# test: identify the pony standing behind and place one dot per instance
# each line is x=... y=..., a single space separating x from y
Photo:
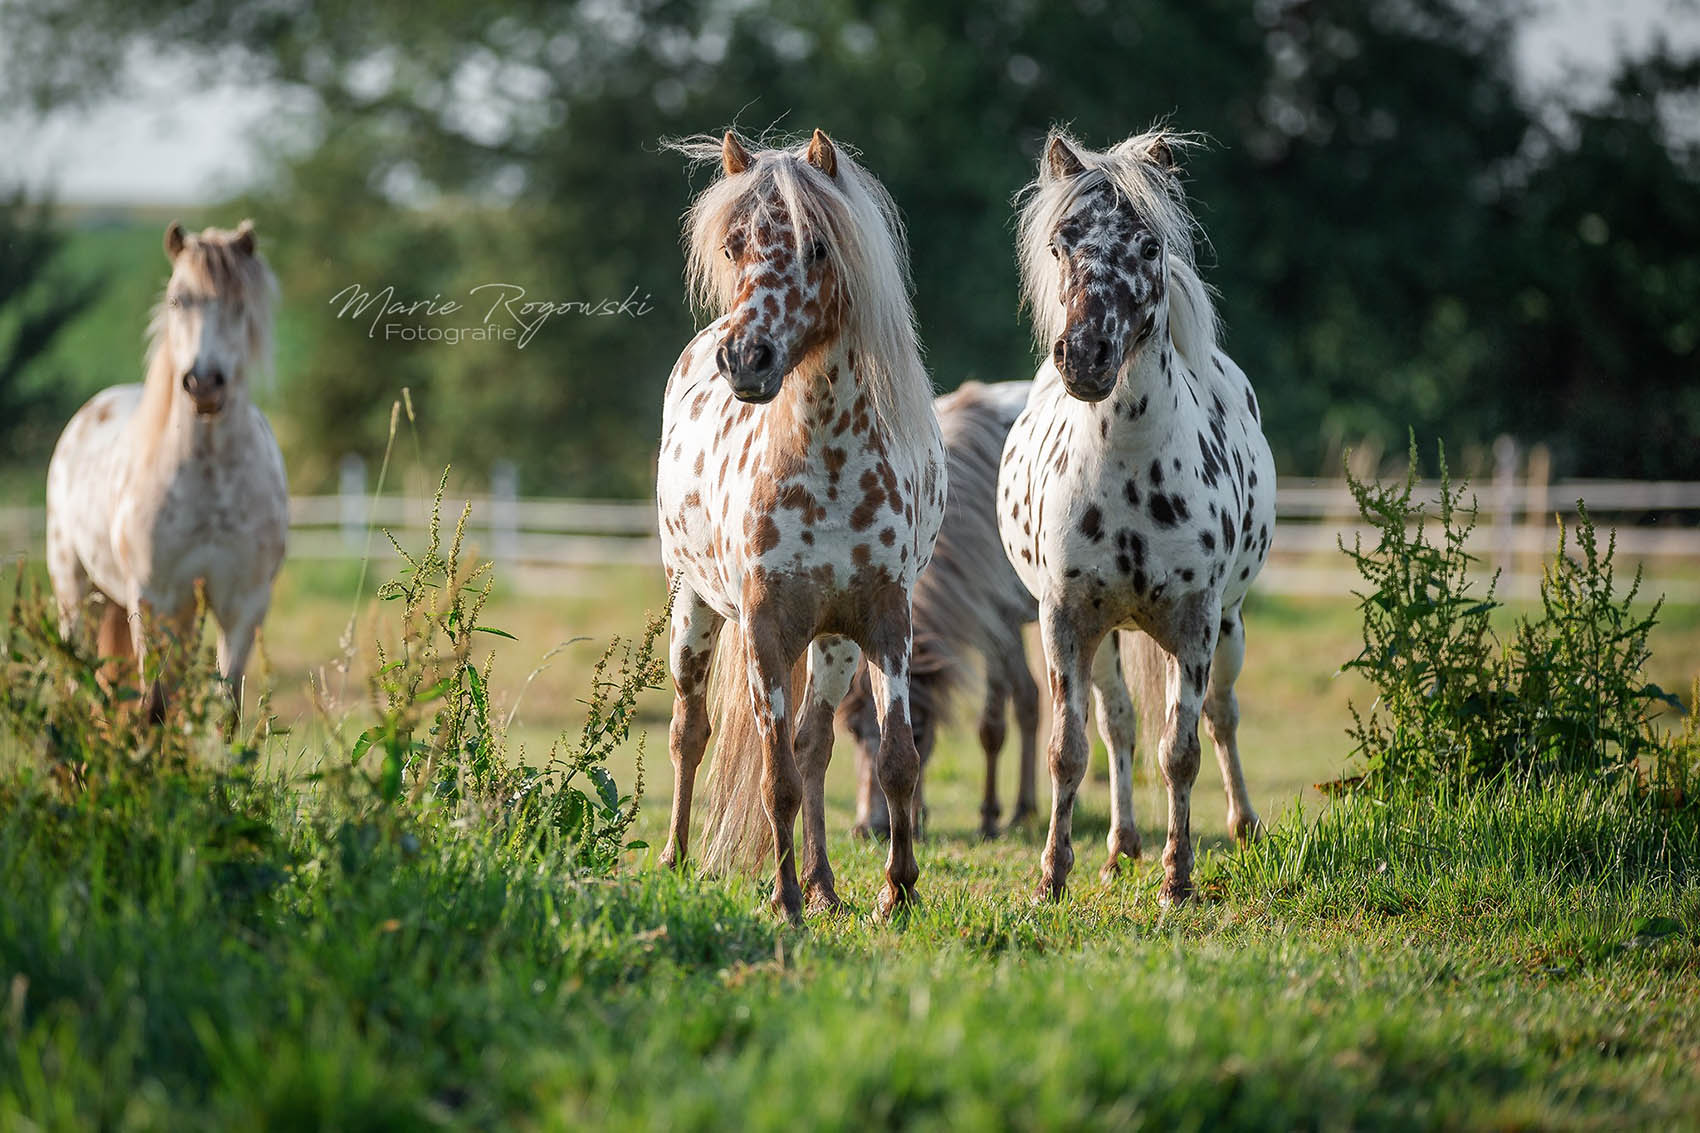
x=967 y=601
x=1137 y=489
x=801 y=484
x=158 y=487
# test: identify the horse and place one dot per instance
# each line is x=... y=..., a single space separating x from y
x=160 y=490
x=800 y=488
x=967 y=601
x=1136 y=491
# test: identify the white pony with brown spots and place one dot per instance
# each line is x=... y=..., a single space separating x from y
x=156 y=489
x=1137 y=490
x=800 y=487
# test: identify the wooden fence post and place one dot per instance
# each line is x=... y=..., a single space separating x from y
x=1537 y=508
x=504 y=511
x=1504 y=504
x=351 y=500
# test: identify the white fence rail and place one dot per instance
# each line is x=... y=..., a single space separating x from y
x=1657 y=525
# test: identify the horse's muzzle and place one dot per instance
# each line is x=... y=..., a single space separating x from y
x=1087 y=368
x=206 y=388
x=751 y=368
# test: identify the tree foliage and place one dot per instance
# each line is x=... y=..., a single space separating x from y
x=38 y=299
x=1401 y=234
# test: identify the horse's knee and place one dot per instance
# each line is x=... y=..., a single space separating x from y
x=1180 y=759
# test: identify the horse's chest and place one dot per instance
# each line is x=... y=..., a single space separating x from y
x=202 y=522
x=1143 y=527
x=735 y=503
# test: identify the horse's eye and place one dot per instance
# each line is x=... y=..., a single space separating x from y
x=1148 y=248
x=1054 y=252
x=726 y=250
x=817 y=251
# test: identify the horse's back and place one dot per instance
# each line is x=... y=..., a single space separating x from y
x=83 y=480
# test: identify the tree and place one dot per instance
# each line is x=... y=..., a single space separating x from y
x=39 y=297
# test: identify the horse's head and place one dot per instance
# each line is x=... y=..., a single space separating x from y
x=214 y=316
x=1111 y=264
x=787 y=294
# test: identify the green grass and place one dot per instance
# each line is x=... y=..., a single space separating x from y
x=163 y=977
x=196 y=950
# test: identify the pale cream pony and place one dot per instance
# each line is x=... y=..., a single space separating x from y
x=157 y=488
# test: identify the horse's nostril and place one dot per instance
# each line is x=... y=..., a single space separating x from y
x=761 y=356
x=1059 y=353
x=723 y=359
x=1101 y=357
x=217 y=379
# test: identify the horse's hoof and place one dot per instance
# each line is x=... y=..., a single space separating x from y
x=823 y=900
x=1110 y=869
x=787 y=905
x=1172 y=893
x=670 y=856
x=894 y=900
x=989 y=829
x=1050 y=891
x=1022 y=816
x=867 y=832
x=1248 y=830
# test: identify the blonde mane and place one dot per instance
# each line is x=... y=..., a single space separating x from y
x=1153 y=190
x=213 y=265
x=856 y=219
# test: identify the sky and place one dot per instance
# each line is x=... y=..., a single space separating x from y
x=153 y=146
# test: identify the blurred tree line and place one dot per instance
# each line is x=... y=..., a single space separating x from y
x=1402 y=237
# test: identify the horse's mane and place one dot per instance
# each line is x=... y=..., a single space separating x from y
x=1154 y=191
x=213 y=265
x=863 y=232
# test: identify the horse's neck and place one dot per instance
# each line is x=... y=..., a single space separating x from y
x=165 y=430
x=815 y=397
x=1152 y=398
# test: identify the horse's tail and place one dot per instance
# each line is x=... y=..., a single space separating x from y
x=735 y=828
x=1145 y=665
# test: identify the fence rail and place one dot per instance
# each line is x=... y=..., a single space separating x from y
x=1657 y=524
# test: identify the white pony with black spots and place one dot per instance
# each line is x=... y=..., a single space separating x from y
x=1136 y=495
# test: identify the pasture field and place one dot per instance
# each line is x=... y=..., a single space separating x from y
x=185 y=950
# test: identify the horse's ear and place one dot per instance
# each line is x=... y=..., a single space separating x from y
x=244 y=241
x=1163 y=154
x=822 y=154
x=734 y=158
x=1061 y=162
x=174 y=241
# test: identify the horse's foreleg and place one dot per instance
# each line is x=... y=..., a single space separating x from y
x=690 y=650
x=889 y=643
x=237 y=627
x=832 y=664
x=1222 y=717
x=1191 y=642
x=150 y=677
x=1068 y=656
x=1119 y=727
x=993 y=731
x=769 y=658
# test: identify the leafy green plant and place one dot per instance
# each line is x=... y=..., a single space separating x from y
x=1457 y=703
x=437 y=743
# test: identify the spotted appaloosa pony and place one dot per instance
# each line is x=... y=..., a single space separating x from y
x=801 y=486
x=158 y=487
x=967 y=601
x=1137 y=489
